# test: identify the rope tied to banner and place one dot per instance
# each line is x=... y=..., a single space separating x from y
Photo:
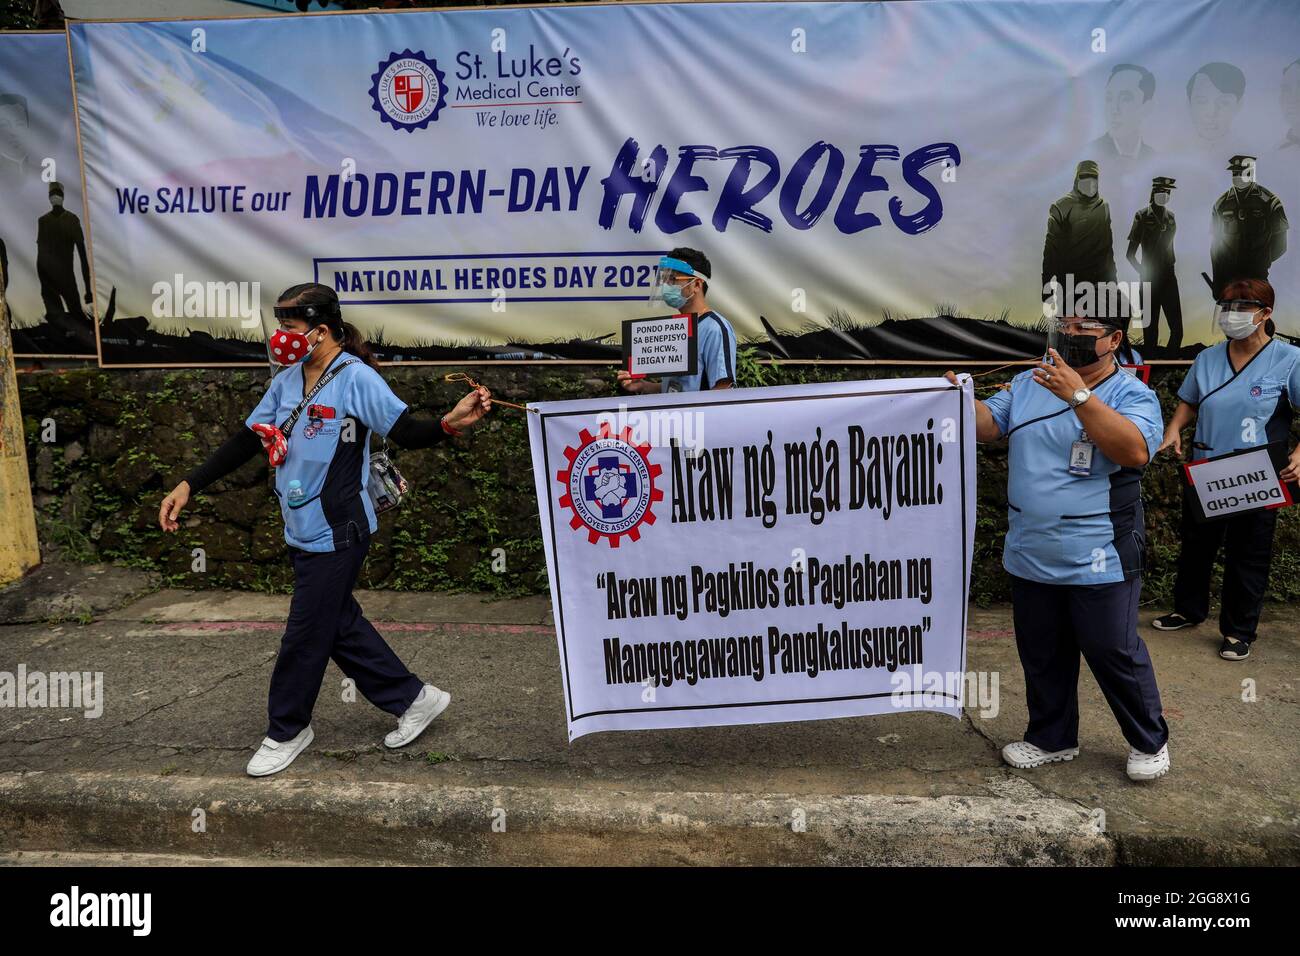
x=1007 y=385
x=463 y=377
x=991 y=371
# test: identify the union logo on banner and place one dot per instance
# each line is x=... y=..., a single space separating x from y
x=408 y=90
x=609 y=485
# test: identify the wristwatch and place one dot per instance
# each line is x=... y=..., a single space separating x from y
x=1080 y=396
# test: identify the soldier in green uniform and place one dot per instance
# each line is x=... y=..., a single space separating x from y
x=1248 y=227
x=1153 y=234
x=1079 y=243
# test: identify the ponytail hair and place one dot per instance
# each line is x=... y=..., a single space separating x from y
x=327 y=300
x=354 y=343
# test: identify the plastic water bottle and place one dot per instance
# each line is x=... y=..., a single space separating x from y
x=297 y=497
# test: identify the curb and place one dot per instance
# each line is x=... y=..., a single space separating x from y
x=409 y=823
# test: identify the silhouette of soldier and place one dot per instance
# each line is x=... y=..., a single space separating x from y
x=58 y=234
x=1079 y=240
x=1248 y=227
x=1153 y=233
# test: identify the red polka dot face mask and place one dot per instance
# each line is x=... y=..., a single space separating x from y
x=286 y=347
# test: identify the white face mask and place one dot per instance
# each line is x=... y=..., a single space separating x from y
x=1241 y=182
x=1162 y=198
x=1237 y=325
x=1088 y=187
x=56 y=201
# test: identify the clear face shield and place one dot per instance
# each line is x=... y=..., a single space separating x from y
x=1075 y=340
x=1235 y=318
x=266 y=339
x=673 y=284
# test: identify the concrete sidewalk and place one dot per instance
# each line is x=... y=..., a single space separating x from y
x=186 y=676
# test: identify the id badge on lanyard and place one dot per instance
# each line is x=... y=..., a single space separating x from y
x=1081 y=455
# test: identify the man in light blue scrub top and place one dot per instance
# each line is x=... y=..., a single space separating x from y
x=681 y=283
x=1080 y=431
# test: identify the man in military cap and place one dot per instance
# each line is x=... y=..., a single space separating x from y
x=1153 y=234
x=58 y=236
x=1248 y=227
x=1080 y=246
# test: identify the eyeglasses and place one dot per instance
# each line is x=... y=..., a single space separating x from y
x=1071 y=327
x=1241 y=305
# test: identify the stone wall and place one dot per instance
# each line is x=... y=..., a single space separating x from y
x=105 y=446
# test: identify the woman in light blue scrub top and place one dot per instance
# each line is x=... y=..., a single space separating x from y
x=1241 y=393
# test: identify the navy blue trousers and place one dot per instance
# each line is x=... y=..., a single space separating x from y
x=1247 y=542
x=1055 y=623
x=325 y=621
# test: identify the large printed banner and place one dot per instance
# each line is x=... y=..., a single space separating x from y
x=42 y=245
x=894 y=180
x=710 y=565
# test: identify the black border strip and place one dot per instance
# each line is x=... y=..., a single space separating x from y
x=761 y=703
x=965 y=604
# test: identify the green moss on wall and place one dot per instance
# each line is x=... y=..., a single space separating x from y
x=122 y=439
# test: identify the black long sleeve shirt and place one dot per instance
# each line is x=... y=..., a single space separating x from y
x=407 y=432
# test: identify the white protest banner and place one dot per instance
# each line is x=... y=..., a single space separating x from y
x=660 y=345
x=758 y=555
x=1242 y=481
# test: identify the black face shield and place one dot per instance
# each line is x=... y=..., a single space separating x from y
x=312 y=313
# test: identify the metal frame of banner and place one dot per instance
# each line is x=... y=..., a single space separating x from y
x=272 y=15
x=85 y=214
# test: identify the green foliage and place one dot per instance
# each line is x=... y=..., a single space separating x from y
x=472 y=501
x=751 y=372
x=18 y=15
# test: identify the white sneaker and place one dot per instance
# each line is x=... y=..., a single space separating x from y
x=418 y=716
x=1148 y=766
x=1025 y=756
x=274 y=755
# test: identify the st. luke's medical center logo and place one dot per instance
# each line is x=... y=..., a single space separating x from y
x=609 y=485
x=408 y=90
